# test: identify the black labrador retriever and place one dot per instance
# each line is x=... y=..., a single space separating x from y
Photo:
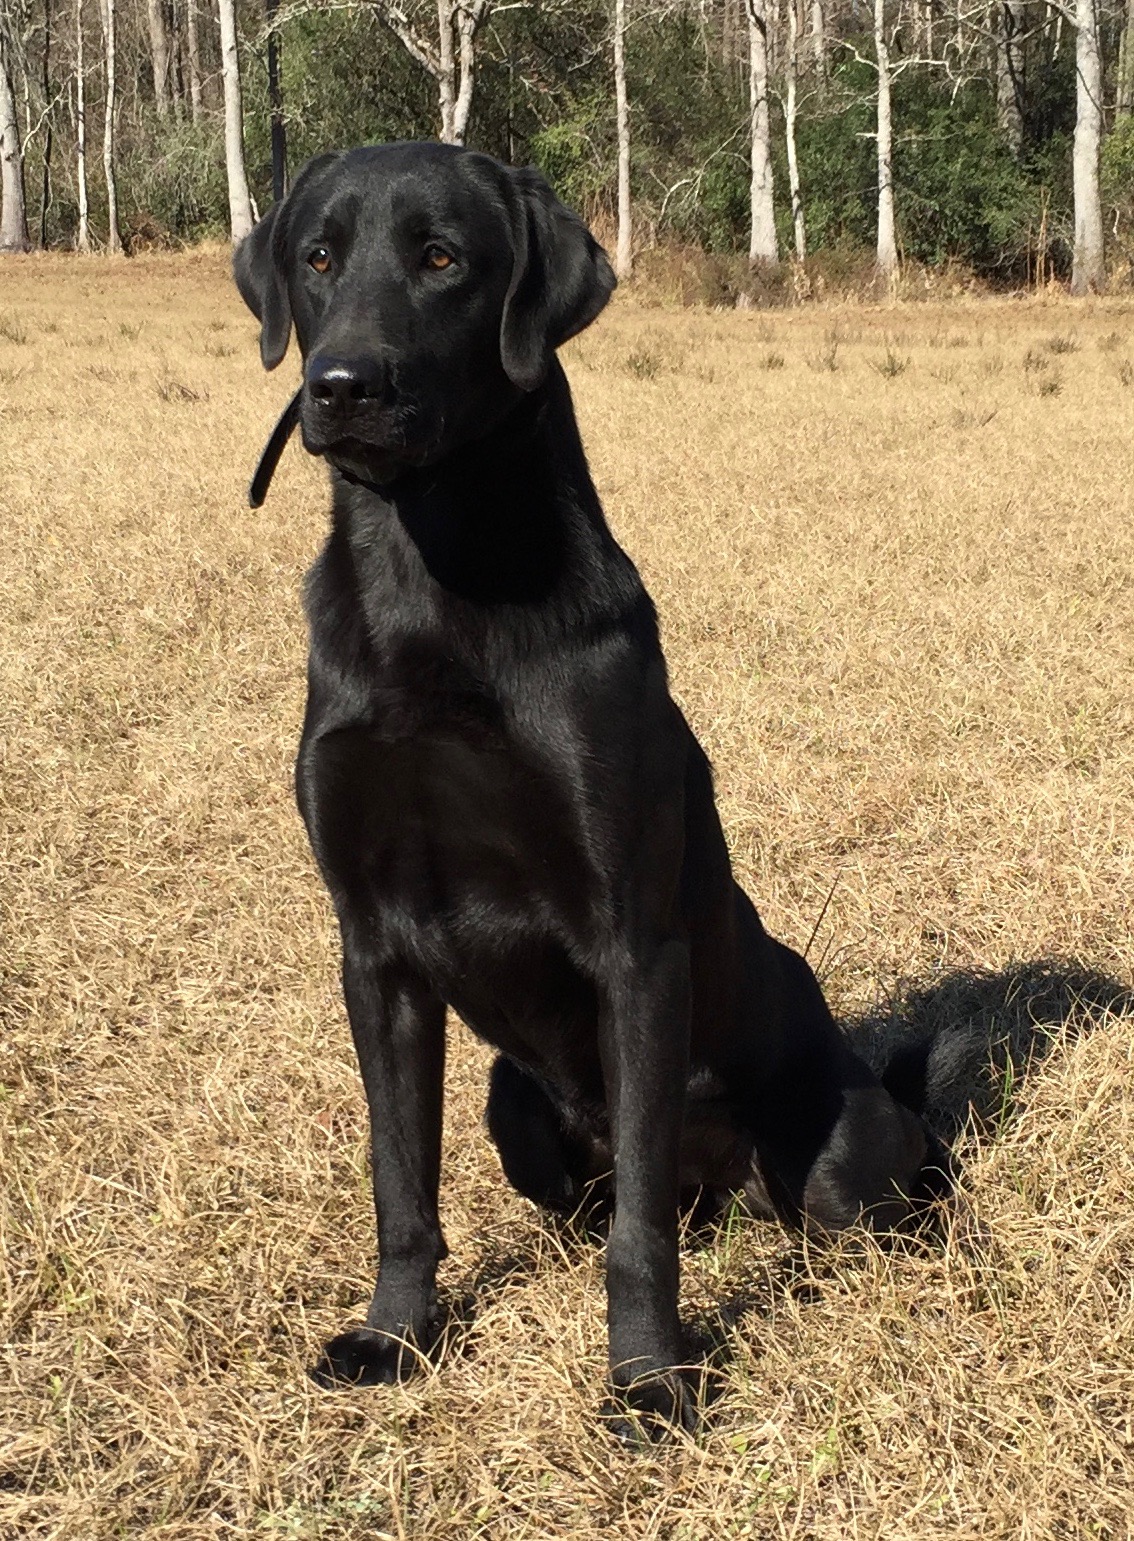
x=511 y=814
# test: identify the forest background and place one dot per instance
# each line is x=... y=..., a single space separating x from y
x=992 y=140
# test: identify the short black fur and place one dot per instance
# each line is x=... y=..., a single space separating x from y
x=510 y=812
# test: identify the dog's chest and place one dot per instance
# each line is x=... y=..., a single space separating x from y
x=440 y=813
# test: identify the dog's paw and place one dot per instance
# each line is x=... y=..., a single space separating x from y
x=653 y=1407
x=363 y=1357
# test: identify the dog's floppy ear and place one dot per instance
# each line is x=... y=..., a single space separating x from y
x=258 y=266
x=258 y=269
x=561 y=279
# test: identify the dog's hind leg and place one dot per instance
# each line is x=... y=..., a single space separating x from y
x=542 y=1158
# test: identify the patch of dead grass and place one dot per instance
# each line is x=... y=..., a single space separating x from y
x=897 y=611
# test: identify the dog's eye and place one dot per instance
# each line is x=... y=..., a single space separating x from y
x=320 y=260
x=437 y=258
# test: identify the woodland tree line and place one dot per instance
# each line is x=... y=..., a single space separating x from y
x=996 y=134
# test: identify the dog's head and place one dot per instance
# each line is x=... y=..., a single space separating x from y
x=429 y=287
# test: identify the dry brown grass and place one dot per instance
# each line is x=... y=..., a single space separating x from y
x=894 y=569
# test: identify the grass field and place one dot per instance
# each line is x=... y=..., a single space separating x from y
x=894 y=556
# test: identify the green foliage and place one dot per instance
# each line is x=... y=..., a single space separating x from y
x=1117 y=177
x=960 y=192
x=573 y=154
x=174 y=184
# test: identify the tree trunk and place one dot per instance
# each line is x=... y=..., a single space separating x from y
x=624 y=250
x=887 y=238
x=447 y=72
x=1008 y=33
x=113 y=236
x=194 y=51
x=159 y=55
x=762 y=246
x=239 y=203
x=818 y=39
x=275 y=106
x=83 y=241
x=49 y=127
x=1087 y=271
x=452 y=63
x=790 y=113
x=469 y=17
x=1124 y=85
x=13 y=210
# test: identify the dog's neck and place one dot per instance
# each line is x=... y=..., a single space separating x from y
x=510 y=519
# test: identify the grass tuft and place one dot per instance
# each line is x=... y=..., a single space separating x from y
x=643 y=362
x=177 y=390
x=891 y=365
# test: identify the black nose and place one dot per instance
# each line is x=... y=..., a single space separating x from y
x=339 y=382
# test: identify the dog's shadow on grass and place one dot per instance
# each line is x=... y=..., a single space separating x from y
x=963 y=1045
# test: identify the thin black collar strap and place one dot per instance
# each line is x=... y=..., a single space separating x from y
x=270 y=459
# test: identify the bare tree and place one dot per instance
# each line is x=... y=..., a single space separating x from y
x=83 y=239
x=239 y=201
x=159 y=54
x=1088 y=272
x=624 y=255
x=450 y=59
x=762 y=246
x=13 y=209
x=113 y=236
x=193 y=50
x=887 y=254
x=790 y=114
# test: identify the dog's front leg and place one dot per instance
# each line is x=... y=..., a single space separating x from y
x=645 y=1047
x=399 y=1033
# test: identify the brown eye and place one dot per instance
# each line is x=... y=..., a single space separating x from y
x=437 y=259
x=320 y=260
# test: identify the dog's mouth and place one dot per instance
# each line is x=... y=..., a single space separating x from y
x=376 y=461
x=368 y=443
x=367 y=461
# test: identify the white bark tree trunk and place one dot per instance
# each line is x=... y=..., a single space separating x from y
x=239 y=203
x=818 y=38
x=624 y=250
x=446 y=72
x=1088 y=272
x=113 y=236
x=762 y=245
x=159 y=55
x=193 y=48
x=13 y=209
x=469 y=19
x=887 y=236
x=799 y=229
x=451 y=63
x=83 y=239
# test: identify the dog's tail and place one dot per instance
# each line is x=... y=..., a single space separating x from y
x=957 y=1049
